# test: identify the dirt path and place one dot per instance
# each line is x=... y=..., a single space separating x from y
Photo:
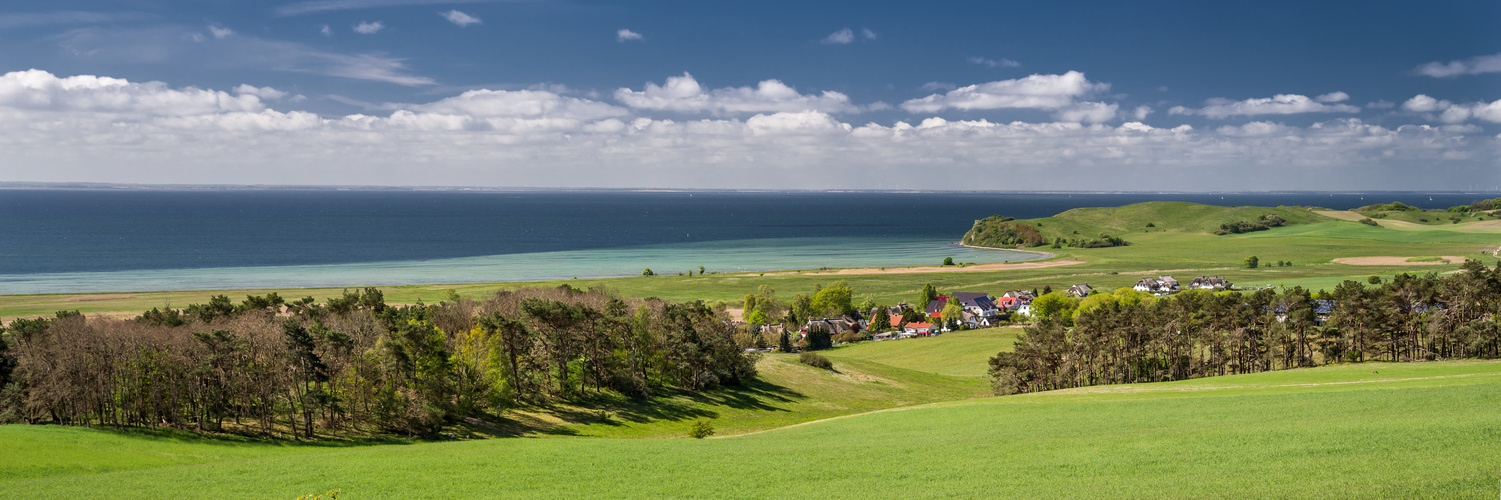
x=935 y=269
x=1395 y=261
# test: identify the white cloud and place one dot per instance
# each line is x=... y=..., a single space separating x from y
x=1471 y=66
x=112 y=130
x=1141 y=112
x=1280 y=104
x=368 y=27
x=459 y=18
x=220 y=32
x=1423 y=104
x=994 y=63
x=867 y=33
x=1333 y=97
x=1046 y=92
x=683 y=93
x=261 y=92
x=840 y=37
x=625 y=35
x=937 y=86
x=326 y=31
x=1449 y=112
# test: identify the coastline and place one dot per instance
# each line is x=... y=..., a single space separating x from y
x=1047 y=255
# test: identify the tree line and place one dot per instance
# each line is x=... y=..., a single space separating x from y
x=273 y=366
x=1129 y=337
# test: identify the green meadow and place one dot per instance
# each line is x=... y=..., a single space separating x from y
x=1418 y=430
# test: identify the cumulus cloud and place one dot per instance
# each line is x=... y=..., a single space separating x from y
x=459 y=18
x=938 y=86
x=1471 y=66
x=841 y=37
x=625 y=35
x=867 y=33
x=1333 y=97
x=994 y=63
x=368 y=27
x=1280 y=104
x=261 y=92
x=1449 y=112
x=326 y=31
x=220 y=32
x=1141 y=112
x=684 y=94
x=112 y=130
x=1059 y=93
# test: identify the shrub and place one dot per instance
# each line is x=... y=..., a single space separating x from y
x=816 y=361
x=701 y=429
x=1367 y=221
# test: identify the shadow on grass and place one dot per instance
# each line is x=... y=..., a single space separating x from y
x=615 y=410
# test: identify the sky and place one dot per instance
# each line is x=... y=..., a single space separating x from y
x=1087 y=96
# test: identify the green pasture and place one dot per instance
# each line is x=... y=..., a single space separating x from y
x=1374 y=430
x=959 y=354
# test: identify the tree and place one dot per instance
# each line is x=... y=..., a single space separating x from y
x=819 y=338
x=882 y=320
x=833 y=301
x=700 y=270
x=928 y=294
x=948 y=261
x=785 y=344
x=953 y=312
x=1054 y=305
x=1251 y=262
x=648 y=272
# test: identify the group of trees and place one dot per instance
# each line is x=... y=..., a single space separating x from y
x=998 y=231
x=762 y=307
x=273 y=366
x=1262 y=224
x=1128 y=337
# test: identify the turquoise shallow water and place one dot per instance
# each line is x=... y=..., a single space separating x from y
x=715 y=256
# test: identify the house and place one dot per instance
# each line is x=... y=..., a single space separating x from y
x=920 y=329
x=1020 y=294
x=1162 y=285
x=1209 y=283
x=1079 y=291
x=835 y=326
x=934 y=308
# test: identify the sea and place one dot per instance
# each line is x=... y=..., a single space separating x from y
x=144 y=239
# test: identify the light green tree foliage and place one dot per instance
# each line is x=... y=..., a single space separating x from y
x=802 y=308
x=1054 y=305
x=1129 y=296
x=953 y=311
x=1095 y=301
x=750 y=306
x=927 y=295
x=757 y=318
x=834 y=300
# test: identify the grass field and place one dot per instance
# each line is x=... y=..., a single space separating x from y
x=958 y=354
x=1420 y=430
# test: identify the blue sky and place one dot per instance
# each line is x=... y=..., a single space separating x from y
x=979 y=95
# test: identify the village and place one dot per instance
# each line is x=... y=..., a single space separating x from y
x=969 y=311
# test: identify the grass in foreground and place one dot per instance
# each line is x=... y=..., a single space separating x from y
x=1407 y=431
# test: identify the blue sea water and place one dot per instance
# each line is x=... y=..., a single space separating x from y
x=139 y=239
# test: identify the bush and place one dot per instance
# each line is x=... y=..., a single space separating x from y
x=701 y=429
x=815 y=361
x=1367 y=221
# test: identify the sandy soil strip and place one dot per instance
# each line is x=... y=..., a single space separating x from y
x=1395 y=261
x=1003 y=266
x=1487 y=226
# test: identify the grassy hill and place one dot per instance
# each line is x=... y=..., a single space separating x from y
x=1131 y=220
x=958 y=354
x=1367 y=430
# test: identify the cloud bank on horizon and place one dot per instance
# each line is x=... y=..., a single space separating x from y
x=325 y=107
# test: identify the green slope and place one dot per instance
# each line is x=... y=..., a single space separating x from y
x=960 y=354
x=1421 y=430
